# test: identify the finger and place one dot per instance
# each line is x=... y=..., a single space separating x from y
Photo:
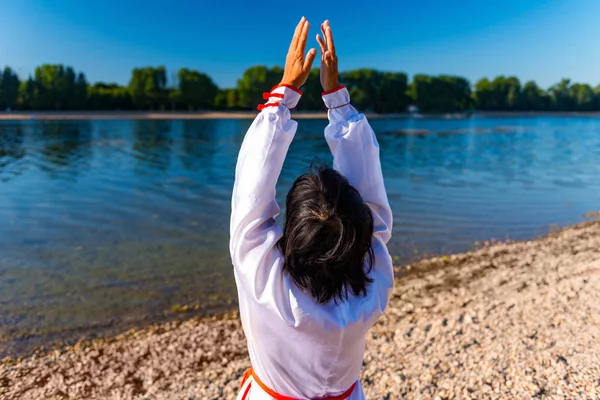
x=329 y=36
x=303 y=37
x=297 y=33
x=310 y=58
x=328 y=58
x=321 y=44
x=323 y=29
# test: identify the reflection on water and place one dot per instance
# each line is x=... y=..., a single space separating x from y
x=152 y=145
x=65 y=148
x=12 y=150
x=106 y=223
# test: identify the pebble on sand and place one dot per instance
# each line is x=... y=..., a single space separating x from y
x=519 y=320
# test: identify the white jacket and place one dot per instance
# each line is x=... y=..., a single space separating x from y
x=298 y=347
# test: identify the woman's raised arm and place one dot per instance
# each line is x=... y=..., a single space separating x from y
x=356 y=156
x=352 y=141
x=252 y=227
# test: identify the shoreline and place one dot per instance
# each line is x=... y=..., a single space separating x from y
x=203 y=115
x=516 y=320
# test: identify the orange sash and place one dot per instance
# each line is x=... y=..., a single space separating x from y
x=277 y=396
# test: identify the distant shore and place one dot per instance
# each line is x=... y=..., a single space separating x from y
x=127 y=115
x=519 y=320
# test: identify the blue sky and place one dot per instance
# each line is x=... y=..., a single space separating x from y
x=544 y=40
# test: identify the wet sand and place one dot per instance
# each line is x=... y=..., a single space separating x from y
x=518 y=320
x=128 y=115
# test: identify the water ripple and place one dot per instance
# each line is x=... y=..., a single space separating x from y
x=117 y=219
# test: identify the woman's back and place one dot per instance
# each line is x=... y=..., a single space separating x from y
x=303 y=348
x=309 y=292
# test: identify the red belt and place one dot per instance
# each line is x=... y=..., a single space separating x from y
x=277 y=396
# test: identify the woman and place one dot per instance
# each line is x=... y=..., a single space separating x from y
x=309 y=292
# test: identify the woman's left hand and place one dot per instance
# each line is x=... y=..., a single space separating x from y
x=297 y=66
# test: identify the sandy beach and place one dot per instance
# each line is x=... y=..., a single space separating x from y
x=127 y=115
x=510 y=321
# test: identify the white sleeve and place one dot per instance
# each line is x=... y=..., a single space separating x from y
x=254 y=232
x=356 y=156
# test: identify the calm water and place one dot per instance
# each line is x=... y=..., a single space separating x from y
x=106 y=223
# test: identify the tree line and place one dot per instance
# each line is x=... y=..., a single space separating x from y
x=59 y=87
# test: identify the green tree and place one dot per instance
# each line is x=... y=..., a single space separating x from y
x=312 y=89
x=584 y=98
x=363 y=86
x=560 y=96
x=45 y=96
x=57 y=87
x=483 y=95
x=9 y=89
x=148 y=88
x=79 y=98
x=534 y=98
x=392 y=97
x=513 y=94
x=232 y=98
x=175 y=99
x=501 y=94
x=226 y=99
x=440 y=94
x=372 y=90
x=458 y=90
x=198 y=91
x=27 y=94
x=102 y=96
x=254 y=82
x=221 y=99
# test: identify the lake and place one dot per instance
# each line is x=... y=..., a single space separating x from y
x=111 y=224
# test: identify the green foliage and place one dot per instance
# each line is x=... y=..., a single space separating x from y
x=501 y=94
x=26 y=94
x=583 y=97
x=560 y=96
x=506 y=94
x=534 y=98
x=197 y=90
x=59 y=87
x=56 y=87
x=392 y=93
x=232 y=98
x=226 y=99
x=176 y=99
x=103 y=96
x=9 y=89
x=311 y=97
x=377 y=91
x=148 y=88
x=254 y=82
x=440 y=94
x=363 y=86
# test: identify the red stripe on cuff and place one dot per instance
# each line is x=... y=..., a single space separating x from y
x=261 y=107
x=289 y=87
x=333 y=90
x=268 y=95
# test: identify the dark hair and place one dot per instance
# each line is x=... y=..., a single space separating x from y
x=326 y=241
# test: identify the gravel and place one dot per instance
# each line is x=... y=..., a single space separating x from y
x=510 y=321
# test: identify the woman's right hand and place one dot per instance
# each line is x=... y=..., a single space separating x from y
x=329 y=60
x=297 y=67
